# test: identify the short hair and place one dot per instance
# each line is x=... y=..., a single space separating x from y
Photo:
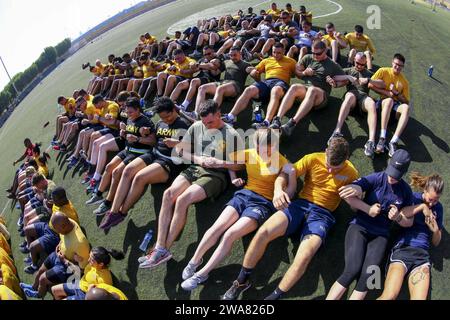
x=60 y=99
x=307 y=23
x=82 y=92
x=133 y=103
x=250 y=9
x=208 y=107
x=288 y=5
x=329 y=25
x=302 y=8
x=235 y=48
x=359 y=28
x=318 y=44
x=37 y=178
x=274 y=3
x=123 y=96
x=164 y=104
x=177 y=52
x=126 y=56
x=111 y=56
x=59 y=193
x=98 y=98
x=177 y=32
x=278 y=45
x=338 y=151
x=400 y=57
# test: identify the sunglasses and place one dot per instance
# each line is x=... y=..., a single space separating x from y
x=318 y=53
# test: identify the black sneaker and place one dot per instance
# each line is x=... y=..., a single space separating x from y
x=235 y=291
x=288 y=128
x=276 y=123
x=381 y=146
x=369 y=149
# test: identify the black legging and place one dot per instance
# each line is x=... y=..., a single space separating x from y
x=362 y=250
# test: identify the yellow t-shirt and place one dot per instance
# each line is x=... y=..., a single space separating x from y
x=42 y=167
x=149 y=69
x=224 y=34
x=186 y=64
x=399 y=81
x=328 y=39
x=321 y=187
x=70 y=105
x=274 y=13
x=360 y=44
x=113 y=109
x=7 y=294
x=95 y=276
x=75 y=243
x=90 y=109
x=10 y=280
x=6 y=259
x=4 y=244
x=150 y=40
x=98 y=71
x=112 y=289
x=283 y=69
x=68 y=210
x=261 y=175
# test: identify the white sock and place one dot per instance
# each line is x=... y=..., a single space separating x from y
x=383 y=133
x=97 y=176
x=395 y=139
x=185 y=104
x=159 y=248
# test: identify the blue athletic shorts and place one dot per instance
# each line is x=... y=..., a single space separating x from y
x=307 y=218
x=250 y=204
x=56 y=270
x=48 y=239
x=266 y=86
x=73 y=293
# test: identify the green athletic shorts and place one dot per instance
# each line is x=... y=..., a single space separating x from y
x=214 y=182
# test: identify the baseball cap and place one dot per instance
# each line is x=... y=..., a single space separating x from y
x=268 y=18
x=399 y=164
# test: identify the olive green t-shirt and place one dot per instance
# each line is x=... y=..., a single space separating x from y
x=354 y=73
x=322 y=69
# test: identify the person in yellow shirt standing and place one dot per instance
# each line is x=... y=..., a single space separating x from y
x=249 y=208
x=278 y=70
x=181 y=68
x=359 y=42
x=96 y=272
x=71 y=255
x=394 y=98
x=310 y=217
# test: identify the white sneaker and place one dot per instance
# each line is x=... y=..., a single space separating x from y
x=190 y=270
x=193 y=282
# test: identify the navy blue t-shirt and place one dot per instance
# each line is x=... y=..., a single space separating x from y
x=378 y=190
x=419 y=235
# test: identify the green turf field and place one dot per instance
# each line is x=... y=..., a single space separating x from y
x=414 y=30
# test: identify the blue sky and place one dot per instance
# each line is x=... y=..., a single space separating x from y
x=27 y=27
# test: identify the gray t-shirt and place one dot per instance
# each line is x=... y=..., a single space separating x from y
x=236 y=72
x=354 y=73
x=216 y=143
x=322 y=69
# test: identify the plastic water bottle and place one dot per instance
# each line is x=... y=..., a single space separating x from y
x=146 y=241
x=430 y=71
x=257 y=112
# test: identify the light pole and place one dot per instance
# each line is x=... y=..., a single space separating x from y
x=12 y=83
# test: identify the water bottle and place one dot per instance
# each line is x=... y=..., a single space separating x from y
x=430 y=71
x=146 y=241
x=257 y=112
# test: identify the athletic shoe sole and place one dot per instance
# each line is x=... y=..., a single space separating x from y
x=141 y=266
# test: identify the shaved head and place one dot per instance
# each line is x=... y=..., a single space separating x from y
x=99 y=294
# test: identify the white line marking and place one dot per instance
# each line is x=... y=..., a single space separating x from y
x=330 y=14
x=3 y=211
